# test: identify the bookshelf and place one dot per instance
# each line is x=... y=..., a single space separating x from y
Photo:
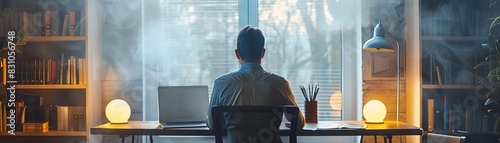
x=450 y=46
x=67 y=86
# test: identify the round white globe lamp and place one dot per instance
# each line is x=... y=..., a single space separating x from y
x=374 y=111
x=118 y=111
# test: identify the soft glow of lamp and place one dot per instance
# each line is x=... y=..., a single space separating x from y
x=374 y=111
x=378 y=43
x=118 y=111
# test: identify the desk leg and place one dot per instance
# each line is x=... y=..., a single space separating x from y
x=151 y=138
x=375 y=137
x=123 y=138
x=133 y=138
x=361 y=141
x=388 y=137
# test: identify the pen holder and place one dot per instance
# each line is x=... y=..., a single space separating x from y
x=311 y=111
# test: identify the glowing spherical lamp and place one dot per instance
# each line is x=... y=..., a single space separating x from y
x=118 y=111
x=374 y=111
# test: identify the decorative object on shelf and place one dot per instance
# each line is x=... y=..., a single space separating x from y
x=378 y=43
x=374 y=111
x=118 y=111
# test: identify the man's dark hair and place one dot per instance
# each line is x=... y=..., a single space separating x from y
x=250 y=43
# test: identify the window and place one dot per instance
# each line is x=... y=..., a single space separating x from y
x=192 y=43
x=304 y=46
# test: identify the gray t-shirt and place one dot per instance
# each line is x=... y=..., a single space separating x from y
x=251 y=85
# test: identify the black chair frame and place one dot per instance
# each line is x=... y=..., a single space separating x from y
x=217 y=112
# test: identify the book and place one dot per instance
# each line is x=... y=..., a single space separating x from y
x=40 y=71
x=82 y=23
x=61 y=70
x=62 y=118
x=53 y=72
x=65 y=26
x=468 y=120
x=85 y=68
x=43 y=71
x=52 y=109
x=36 y=126
x=73 y=70
x=47 y=26
x=344 y=126
x=4 y=71
x=430 y=114
x=76 y=118
x=71 y=23
x=40 y=27
x=80 y=71
x=55 y=26
x=438 y=112
x=71 y=118
x=68 y=71
x=2 y=117
x=438 y=74
x=26 y=23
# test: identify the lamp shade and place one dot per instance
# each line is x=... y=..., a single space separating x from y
x=118 y=111
x=378 y=42
x=374 y=111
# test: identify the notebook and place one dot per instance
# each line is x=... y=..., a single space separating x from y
x=182 y=106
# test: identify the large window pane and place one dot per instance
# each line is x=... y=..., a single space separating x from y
x=198 y=40
x=303 y=45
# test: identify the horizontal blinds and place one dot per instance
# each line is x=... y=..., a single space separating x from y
x=197 y=40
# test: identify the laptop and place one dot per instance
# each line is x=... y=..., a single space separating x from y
x=182 y=106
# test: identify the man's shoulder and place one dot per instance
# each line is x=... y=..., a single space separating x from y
x=275 y=76
x=226 y=77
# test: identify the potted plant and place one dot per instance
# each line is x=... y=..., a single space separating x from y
x=493 y=59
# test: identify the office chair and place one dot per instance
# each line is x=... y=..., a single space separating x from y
x=217 y=117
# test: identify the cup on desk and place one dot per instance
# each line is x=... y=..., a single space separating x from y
x=311 y=111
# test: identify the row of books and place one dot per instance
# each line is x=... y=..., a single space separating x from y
x=51 y=117
x=441 y=70
x=66 y=70
x=445 y=113
x=46 y=23
x=452 y=23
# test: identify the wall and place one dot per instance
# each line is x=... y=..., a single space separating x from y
x=121 y=58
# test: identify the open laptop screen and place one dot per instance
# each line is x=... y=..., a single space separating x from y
x=182 y=103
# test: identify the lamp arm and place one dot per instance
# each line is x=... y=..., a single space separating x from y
x=398 y=80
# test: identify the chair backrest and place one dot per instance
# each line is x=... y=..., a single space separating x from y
x=217 y=113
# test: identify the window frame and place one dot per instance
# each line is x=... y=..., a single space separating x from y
x=248 y=12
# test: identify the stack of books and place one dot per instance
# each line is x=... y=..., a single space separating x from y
x=38 y=127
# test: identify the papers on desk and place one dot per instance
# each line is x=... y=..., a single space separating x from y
x=344 y=126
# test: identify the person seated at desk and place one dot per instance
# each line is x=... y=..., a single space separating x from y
x=251 y=85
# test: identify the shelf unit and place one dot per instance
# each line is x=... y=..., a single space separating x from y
x=84 y=45
x=451 y=34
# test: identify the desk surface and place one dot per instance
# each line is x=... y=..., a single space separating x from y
x=310 y=129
